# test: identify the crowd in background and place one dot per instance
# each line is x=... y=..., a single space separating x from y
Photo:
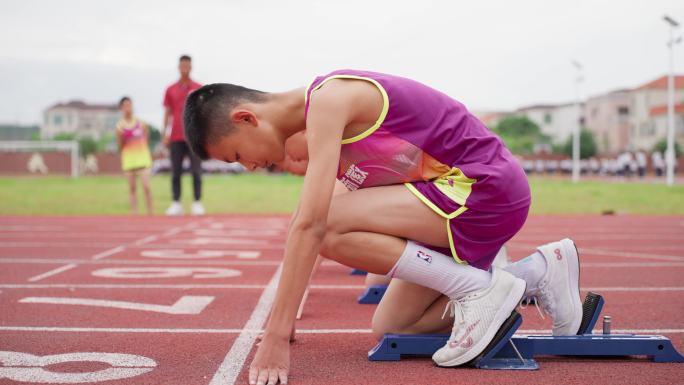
x=626 y=164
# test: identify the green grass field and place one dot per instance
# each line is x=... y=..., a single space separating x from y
x=262 y=193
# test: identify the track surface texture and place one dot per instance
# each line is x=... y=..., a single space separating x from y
x=136 y=300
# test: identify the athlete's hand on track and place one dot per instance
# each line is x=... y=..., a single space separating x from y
x=271 y=362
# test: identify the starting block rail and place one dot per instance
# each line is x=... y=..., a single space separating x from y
x=517 y=352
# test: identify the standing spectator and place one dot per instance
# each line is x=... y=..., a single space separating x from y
x=132 y=135
x=174 y=102
x=658 y=163
x=641 y=163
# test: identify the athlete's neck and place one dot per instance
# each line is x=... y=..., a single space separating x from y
x=285 y=110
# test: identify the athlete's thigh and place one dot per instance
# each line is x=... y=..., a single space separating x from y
x=391 y=210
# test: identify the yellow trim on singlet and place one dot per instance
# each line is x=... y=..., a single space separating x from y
x=458 y=192
x=383 y=113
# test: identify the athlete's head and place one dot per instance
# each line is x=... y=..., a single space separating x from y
x=184 y=65
x=223 y=121
x=126 y=106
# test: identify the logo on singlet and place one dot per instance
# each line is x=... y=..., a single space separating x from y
x=354 y=177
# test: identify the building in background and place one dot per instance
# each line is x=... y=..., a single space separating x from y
x=607 y=116
x=557 y=121
x=491 y=118
x=80 y=118
x=648 y=113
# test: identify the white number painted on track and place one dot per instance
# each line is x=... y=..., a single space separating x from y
x=24 y=367
x=201 y=254
x=187 y=304
x=167 y=272
x=262 y=225
x=220 y=241
x=238 y=233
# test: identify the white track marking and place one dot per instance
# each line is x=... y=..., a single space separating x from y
x=24 y=367
x=200 y=254
x=257 y=286
x=52 y=272
x=134 y=262
x=132 y=286
x=232 y=364
x=145 y=240
x=256 y=331
x=187 y=304
x=107 y=253
x=166 y=272
x=611 y=253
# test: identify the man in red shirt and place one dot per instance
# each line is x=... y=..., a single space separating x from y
x=174 y=102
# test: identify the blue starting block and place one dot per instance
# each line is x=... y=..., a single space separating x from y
x=507 y=351
x=358 y=272
x=372 y=295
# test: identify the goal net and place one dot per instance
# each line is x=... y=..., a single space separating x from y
x=39 y=157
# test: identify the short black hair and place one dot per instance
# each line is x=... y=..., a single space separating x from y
x=206 y=115
x=124 y=99
x=185 y=58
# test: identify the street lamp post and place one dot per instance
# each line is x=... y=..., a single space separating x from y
x=670 y=153
x=576 y=127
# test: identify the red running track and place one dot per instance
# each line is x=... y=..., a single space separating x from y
x=121 y=300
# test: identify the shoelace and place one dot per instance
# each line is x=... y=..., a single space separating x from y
x=451 y=307
x=546 y=308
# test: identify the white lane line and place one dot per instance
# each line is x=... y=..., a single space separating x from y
x=130 y=286
x=52 y=272
x=136 y=262
x=256 y=331
x=107 y=253
x=257 y=286
x=611 y=253
x=229 y=370
x=145 y=240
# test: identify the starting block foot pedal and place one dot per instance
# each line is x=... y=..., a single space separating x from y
x=372 y=295
x=358 y=272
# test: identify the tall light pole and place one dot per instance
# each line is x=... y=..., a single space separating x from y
x=576 y=127
x=670 y=153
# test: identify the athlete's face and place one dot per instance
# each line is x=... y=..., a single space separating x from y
x=126 y=108
x=253 y=143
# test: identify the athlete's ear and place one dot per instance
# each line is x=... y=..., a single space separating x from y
x=244 y=116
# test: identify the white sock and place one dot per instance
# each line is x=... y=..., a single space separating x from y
x=434 y=270
x=532 y=269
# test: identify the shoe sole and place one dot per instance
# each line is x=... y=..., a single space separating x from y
x=569 y=248
x=504 y=312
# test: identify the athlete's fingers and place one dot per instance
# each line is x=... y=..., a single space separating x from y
x=272 y=376
x=262 y=377
x=283 y=376
x=253 y=375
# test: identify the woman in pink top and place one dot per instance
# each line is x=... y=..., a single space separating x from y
x=433 y=195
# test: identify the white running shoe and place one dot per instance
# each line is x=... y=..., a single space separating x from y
x=558 y=291
x=478 y=316
x=175 y=209
x=197 y=208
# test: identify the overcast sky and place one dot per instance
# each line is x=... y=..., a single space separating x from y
x=488 y=54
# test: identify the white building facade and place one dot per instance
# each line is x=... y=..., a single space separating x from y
x=607 y=116
x=648 y=112
x=554 y=120
x=79 y=118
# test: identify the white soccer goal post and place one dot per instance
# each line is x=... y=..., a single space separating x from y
x=45 y=145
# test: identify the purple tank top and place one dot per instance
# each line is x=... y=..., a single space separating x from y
x=424 y=135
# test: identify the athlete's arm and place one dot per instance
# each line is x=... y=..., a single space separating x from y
x=327 y=118
x=165 y=137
